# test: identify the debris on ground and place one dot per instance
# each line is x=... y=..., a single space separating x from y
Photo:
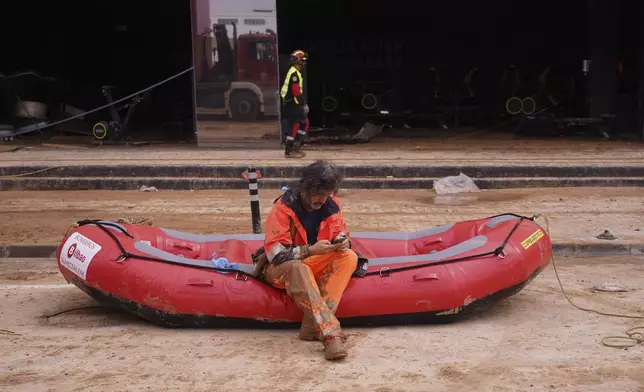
x=145 y=188
x=611 y=287
x=455 y=184
x=606 y=235
x=140 y=220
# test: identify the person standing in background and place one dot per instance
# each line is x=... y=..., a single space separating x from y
x=296 y=109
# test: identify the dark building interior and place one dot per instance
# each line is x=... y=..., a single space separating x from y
x=458 y=63
x=542 y=68
x=75 y=47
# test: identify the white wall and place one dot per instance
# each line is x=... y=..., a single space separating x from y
x=245 y=9
x=237 y=6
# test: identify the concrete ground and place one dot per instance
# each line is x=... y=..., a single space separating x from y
x=576 y=215
x=534 y=341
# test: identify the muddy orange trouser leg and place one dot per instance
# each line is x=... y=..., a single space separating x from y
x=316 y=285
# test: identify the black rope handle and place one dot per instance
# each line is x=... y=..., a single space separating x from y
x=127 y=255
x=495 y=252
x=98 y=222
x=500 y=249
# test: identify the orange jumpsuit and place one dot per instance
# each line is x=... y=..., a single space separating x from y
x=316 y=283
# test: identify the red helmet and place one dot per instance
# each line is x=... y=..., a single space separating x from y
x=298 y=55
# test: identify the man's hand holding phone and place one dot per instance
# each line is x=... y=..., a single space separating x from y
x=341 y=242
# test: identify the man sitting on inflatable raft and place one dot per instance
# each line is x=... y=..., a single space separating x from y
x=308 y=254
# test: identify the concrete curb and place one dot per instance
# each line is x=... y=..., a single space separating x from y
x=560 y=249
x=349 y=171
x=28 y=251
x=598 y=249
x=194 y=183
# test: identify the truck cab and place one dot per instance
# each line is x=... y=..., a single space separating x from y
x=245 y=72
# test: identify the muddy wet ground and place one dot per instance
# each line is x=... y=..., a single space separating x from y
x=534 y=341
x=575 y=214
x=243 y=147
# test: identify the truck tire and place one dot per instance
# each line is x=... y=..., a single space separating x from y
x=244 y=106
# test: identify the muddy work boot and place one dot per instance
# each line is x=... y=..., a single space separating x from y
x=334 y=349
x=291 y=152
x=308 y=331
x=294 y=154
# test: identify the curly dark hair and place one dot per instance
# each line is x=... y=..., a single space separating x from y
x=320 y=176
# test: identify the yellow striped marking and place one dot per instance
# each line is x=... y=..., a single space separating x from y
x=532 y=239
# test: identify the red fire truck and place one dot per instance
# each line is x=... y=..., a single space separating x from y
x=244 y=77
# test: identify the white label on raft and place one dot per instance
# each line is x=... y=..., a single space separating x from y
x=77 y=253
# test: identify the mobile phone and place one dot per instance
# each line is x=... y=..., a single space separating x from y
x=341 y=237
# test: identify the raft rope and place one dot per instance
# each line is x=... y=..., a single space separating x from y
x=47 y=316
x=385 y=271
x=633 y=336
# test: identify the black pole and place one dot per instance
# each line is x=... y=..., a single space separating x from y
x=254 y=200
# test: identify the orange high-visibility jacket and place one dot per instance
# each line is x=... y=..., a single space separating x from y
x=285 y=233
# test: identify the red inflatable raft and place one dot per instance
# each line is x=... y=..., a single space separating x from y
x=168 y=277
